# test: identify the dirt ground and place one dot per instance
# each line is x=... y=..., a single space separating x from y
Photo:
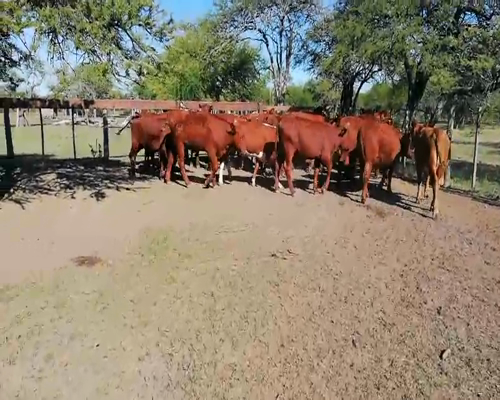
x=241 y=293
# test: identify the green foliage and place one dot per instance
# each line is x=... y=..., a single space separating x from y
x=118 y=32
x=87 y=81
x=299 y=95
x=384 y=96
x=195 y=66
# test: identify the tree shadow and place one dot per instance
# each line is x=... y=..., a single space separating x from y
x=26 y=177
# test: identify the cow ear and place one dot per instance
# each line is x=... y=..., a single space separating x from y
x=414 y=123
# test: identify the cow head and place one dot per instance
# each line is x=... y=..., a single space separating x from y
x=348 y=138
x=205 y=107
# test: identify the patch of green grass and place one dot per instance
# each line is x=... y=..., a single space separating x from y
x=59 y=141
x=489 y=145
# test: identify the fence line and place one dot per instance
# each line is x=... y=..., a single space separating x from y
x=8 y=103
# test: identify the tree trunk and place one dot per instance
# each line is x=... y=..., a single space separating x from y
x=476 y=147
x=346 y=97
x=8 y=133
x=105 y=135
x=42 y=133
x=449 y=131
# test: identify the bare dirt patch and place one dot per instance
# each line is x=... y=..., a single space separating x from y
x=238 y=292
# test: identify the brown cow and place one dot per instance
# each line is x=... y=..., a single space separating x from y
x=203 y=131
x=147 y=133
x=378 y=144
x=312 y=140
x=432 y=153
x=259 y=141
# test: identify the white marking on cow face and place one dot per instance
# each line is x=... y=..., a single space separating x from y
x=269 y=125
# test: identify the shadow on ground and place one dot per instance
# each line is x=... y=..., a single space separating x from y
x=26 y=177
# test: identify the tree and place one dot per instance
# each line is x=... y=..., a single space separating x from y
x=87 y=81
x=116 y=32
x=300 y=96
x=345 y=48
x=278 y=25
x=477 y=70
x=384 y=96
x=194 y=67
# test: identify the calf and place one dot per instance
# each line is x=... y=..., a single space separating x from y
x=312 y=140
x=432 y=153
x=378 y=144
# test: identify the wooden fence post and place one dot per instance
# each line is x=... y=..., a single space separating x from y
x=105 y=134
x=73 y=131
x=8 y=132
x=42 y=132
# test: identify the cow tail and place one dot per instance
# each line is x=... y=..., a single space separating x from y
x=439 y=172
x=435 y=138
x=127 y=122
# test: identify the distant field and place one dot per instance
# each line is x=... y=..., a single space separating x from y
x=58 y=144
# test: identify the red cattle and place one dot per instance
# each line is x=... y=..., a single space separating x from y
x=146 y=132
x=377 y=144
x=205 y=132
x=259 y=140
x=311 y=140
x=432 y=153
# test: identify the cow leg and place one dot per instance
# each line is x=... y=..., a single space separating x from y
x=221 y=173
x=182 y=165
x=316 y=175
x=435 y=187
x=163 y=158
x=367 y=172
x=229 y=171
x=426 y=187
x=132 y=155
x=288 y=171
x=389 y=173
x=255 y=170
x=419 y=182
x=172 y=159
x=278 y=172
x=213 y=161
x=329 y=164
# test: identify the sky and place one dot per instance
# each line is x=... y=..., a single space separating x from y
x=183 y=10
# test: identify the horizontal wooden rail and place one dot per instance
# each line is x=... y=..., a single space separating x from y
x=129 y=104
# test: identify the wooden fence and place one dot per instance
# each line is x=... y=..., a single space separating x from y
x=7 y=103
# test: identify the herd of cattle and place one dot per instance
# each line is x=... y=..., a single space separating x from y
x=278 y=140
